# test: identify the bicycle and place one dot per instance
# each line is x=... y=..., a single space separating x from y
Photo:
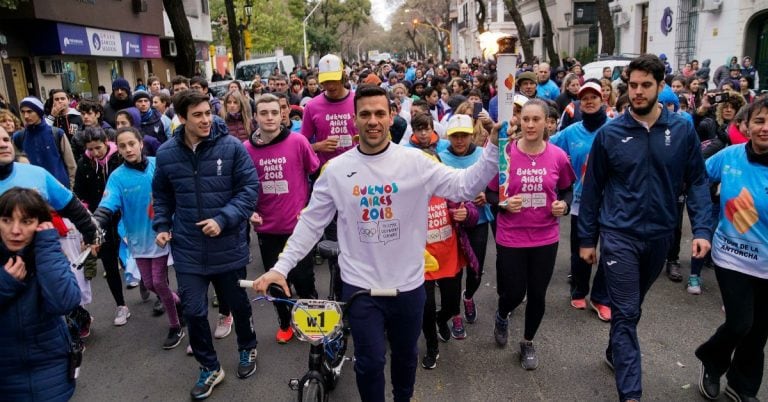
x=321 y=323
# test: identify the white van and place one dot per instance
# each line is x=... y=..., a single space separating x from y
x=265 y=67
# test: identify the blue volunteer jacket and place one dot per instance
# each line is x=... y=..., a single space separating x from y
x=218 y=180
x=634 y=176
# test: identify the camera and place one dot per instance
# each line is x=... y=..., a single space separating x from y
x=718 y=97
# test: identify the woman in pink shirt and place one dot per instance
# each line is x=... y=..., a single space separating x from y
x=538 y=194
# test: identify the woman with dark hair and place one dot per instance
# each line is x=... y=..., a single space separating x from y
x=94 y=168
x=481 y=82
x=131 y=117
x=129 y=193
x=37 y=288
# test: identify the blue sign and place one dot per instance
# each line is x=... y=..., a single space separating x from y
x=73 y=39
x=131 y=44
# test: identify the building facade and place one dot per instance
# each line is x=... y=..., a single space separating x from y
x=79 y=45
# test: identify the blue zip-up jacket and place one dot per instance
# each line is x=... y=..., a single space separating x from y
x=34 y=339
x=218 y=180
x=634 y=177
x=41 y=143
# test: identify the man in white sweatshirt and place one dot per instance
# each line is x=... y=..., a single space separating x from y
x=376 y=189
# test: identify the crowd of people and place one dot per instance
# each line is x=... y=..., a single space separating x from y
x=151 y=177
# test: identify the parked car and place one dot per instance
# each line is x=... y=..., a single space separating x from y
x=616 y=63
x=219 y=88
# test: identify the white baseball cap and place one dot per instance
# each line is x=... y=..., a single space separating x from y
x=460 y=123
x=330 y=68
x=590 y=87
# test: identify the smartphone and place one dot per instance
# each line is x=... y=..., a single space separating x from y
x=478 y=107
x=718 y=97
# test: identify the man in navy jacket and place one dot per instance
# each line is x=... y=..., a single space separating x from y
x=638 y=165
x=205 y=188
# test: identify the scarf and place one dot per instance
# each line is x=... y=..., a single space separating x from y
x=593 y=121
x=147 y=116
x=140 y=165
x=754 y=157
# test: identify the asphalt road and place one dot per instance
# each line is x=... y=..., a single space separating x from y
x=128 y=364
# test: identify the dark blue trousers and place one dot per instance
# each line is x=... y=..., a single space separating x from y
x=193 y=290
x=581 y=272
x=631 y=266
x=374 y=322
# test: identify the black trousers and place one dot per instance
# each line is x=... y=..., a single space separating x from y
x=521 y=271
x=737 y=345
x=478 y=240
x=450 y=294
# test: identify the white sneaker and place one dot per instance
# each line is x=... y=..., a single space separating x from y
x=122 y=315
x=223 y=327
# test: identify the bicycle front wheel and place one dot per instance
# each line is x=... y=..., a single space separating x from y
x=312 y=391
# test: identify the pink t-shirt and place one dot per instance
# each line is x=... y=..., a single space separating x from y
x=537 y=179
x=324 y=118
x=283 y=168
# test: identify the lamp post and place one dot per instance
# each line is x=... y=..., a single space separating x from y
x=304 y=28
x=244 y=28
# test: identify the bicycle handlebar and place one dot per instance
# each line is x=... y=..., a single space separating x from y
x=243 y=283
x=373 y=292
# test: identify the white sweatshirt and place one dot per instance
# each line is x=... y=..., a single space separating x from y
x=382 y=202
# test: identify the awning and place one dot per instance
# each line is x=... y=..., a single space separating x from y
x=69 y=39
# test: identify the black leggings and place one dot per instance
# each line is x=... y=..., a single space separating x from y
x=478 y=239
x=521 y=271
x=108 y=253
x=450 y=294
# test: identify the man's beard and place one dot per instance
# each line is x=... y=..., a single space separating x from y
x=647 y=109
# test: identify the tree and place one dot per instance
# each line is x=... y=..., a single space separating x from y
x=182 y=35
x=234 y=32
x=548 y=37
x=522 y=34
x=606 y=27
x=480 y=16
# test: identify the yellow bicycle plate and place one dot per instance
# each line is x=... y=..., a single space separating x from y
x=314 y=319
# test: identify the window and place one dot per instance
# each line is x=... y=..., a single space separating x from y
x=507 y=15
x=584 y=13
x=493 y=6
x=204 y=4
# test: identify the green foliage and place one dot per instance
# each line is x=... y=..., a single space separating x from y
x=11 y=4
x=586 y=54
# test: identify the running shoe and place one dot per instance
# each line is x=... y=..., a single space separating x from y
x=284 y=335
x=175 y=335
x=205 y=383
x=528 y=359
x=500 y=330
x=457 y=328
x=85 y=329
x=429 y=361
x=694 y=285
x=673 y=271
x=247 y=365
x=223 y=326
x=709 y=383
x=603 y=311
x=158 y=309
x=470 y=312
x=736 y=396
x=122 y=315
x=579 y=304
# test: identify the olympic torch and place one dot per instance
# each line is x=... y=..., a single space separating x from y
x=506 y=64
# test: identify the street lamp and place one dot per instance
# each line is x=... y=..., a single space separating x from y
x=246 y=38
x=304 y=28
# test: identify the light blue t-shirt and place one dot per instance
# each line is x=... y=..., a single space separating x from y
x=576 y=141
x=37 y=178
x=548 y=90
x=130 y=192
x=740 y=242
x=463 y=162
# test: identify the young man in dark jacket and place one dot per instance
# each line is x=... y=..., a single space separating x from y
x=638 y=164
x=205 y=188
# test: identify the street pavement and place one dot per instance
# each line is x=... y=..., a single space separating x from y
x=128 y=363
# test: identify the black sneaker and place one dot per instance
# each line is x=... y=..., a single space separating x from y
x=157 y=308
x=709 y=383
x=673 y=271
x=735 y=396
x=206 y=382
x=430 y=359
x=609 y=358
x=175 y=335
x=443 y=332
x=528 y=359
x=500 y=330
x=247 y=366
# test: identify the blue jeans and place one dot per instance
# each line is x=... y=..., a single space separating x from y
x=376 y=320
x=581 y=272
x=631 y=267
x=193 y=290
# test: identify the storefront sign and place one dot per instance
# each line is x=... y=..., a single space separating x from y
x=131 y=44
x=72 y=39
x=103 y=42
x=150 y=47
